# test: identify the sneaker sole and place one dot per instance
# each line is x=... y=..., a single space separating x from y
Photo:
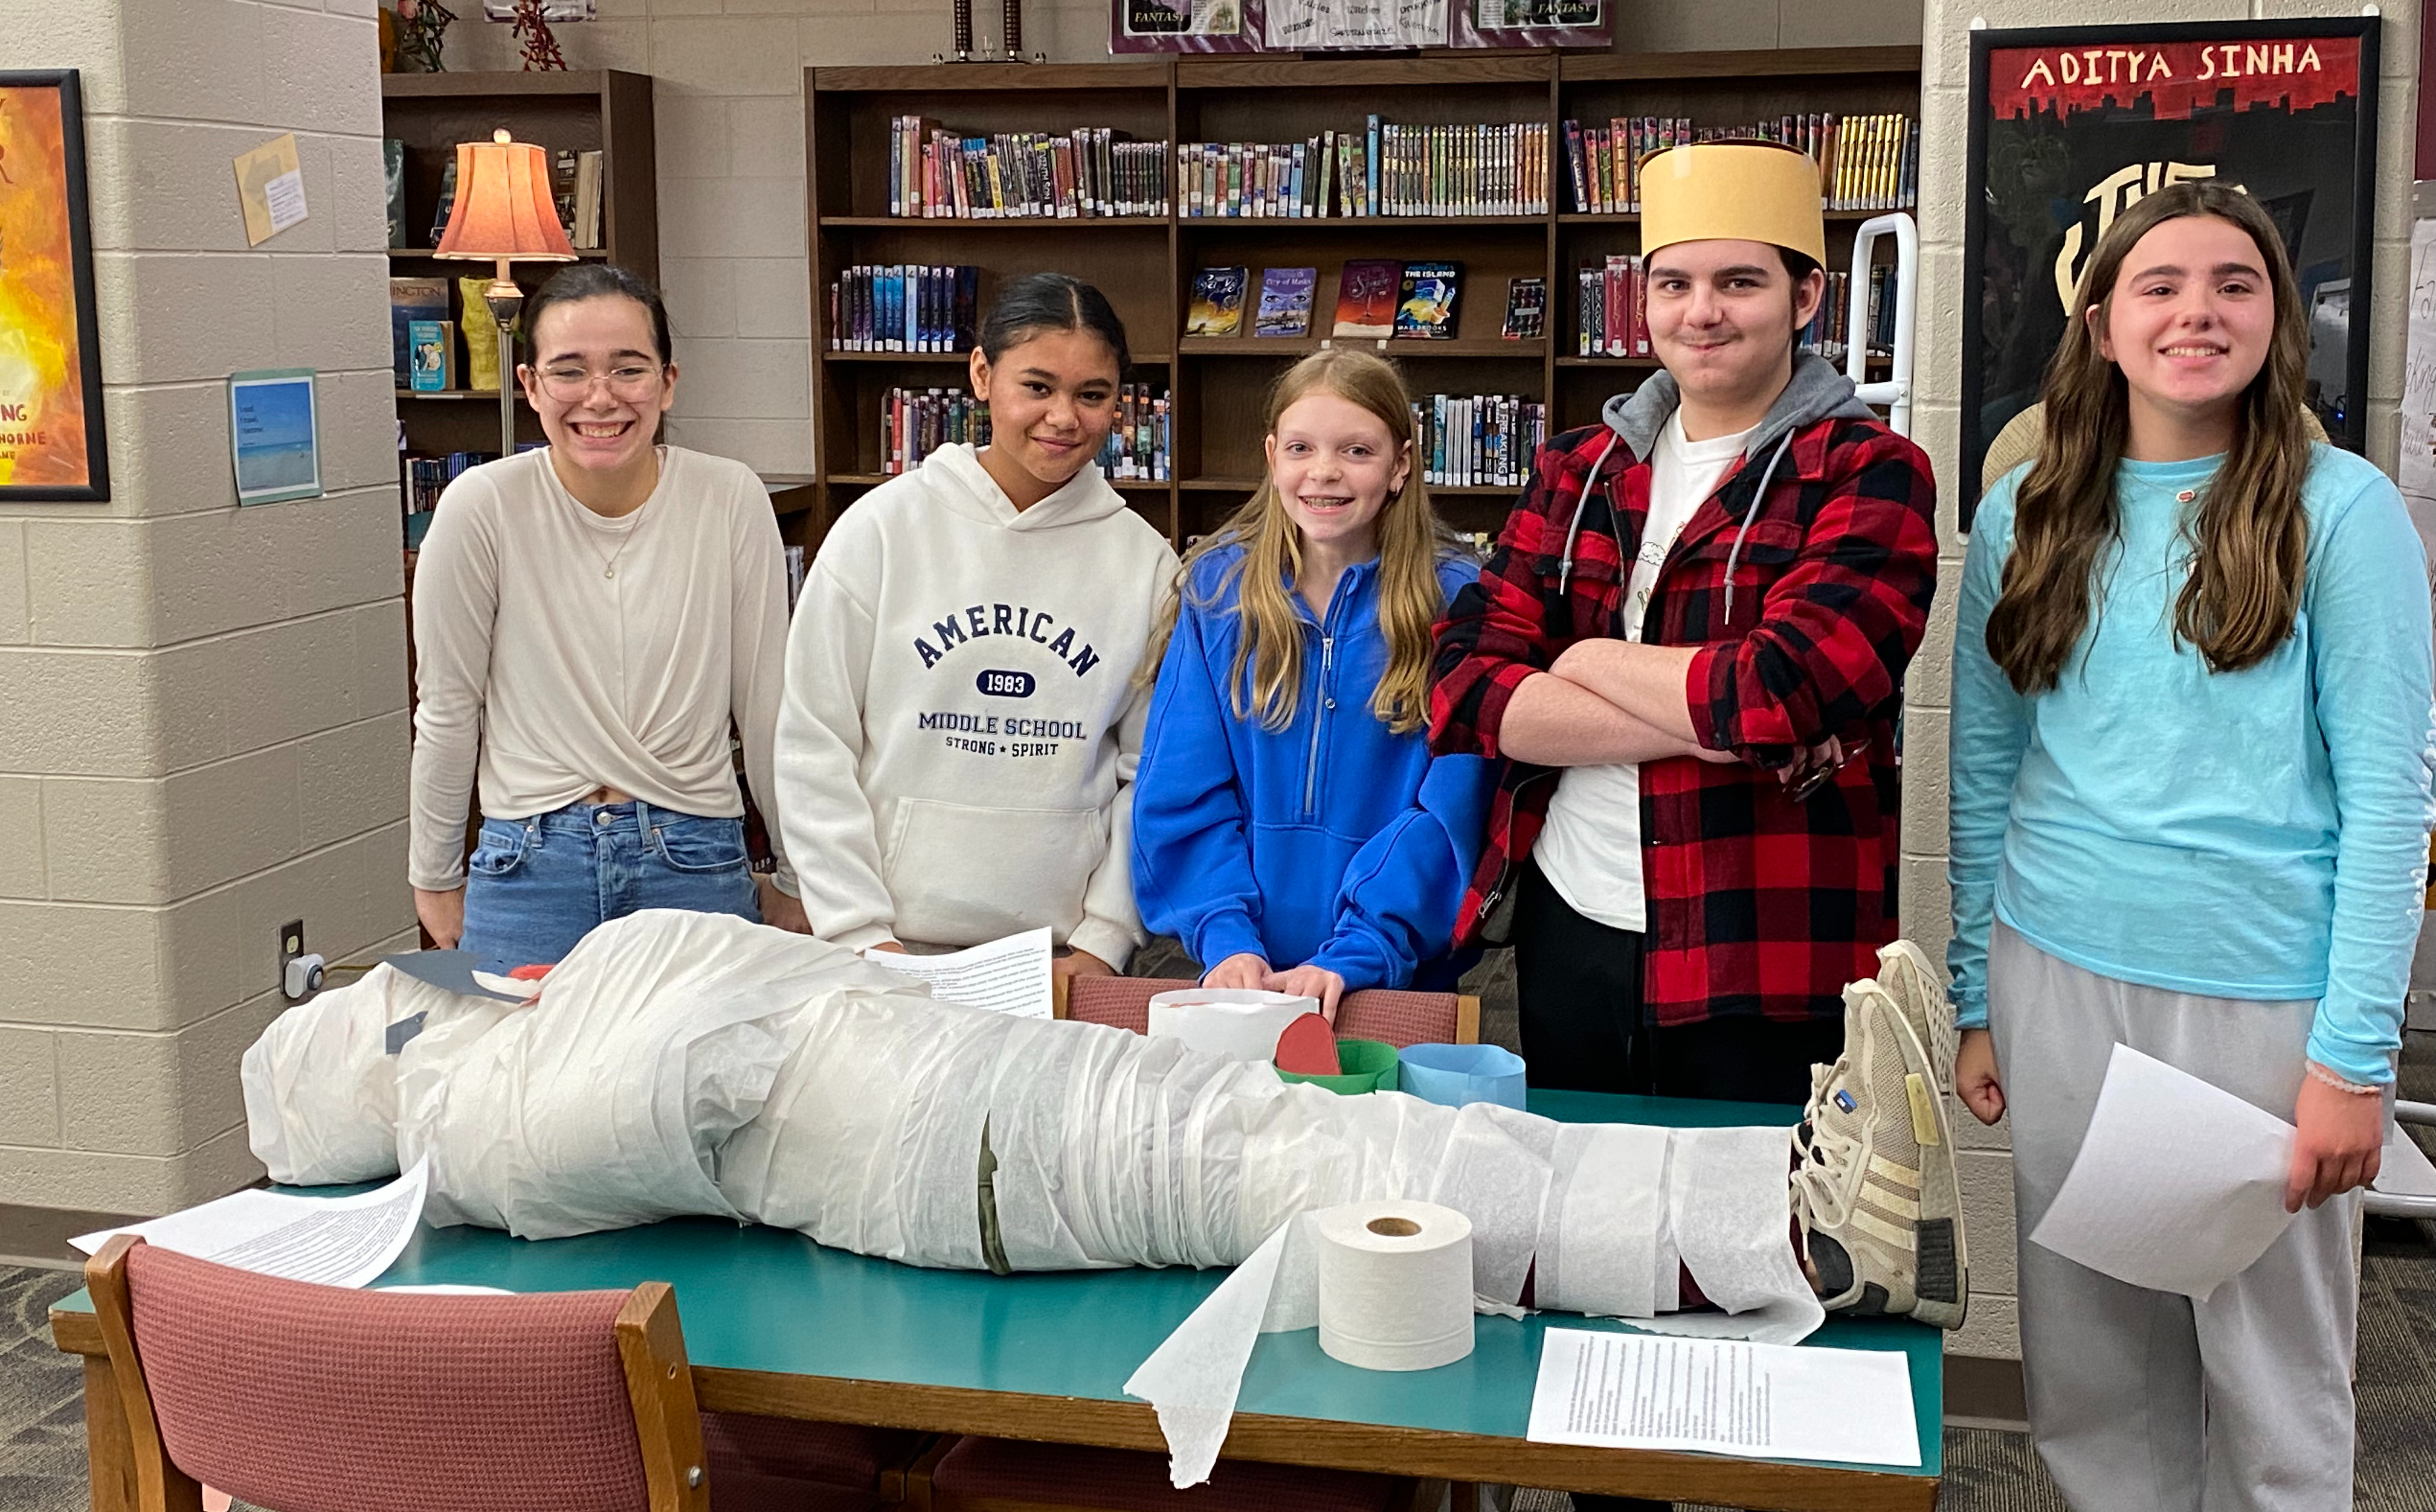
x=1939 y=1227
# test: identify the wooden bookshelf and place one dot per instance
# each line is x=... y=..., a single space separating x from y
x=603 y=110
x=1145 y=264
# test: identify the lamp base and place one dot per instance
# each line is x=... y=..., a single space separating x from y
x=506 y=301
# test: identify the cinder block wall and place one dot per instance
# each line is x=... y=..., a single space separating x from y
x=1945 y=79
x=728 y=98
x=203 y=709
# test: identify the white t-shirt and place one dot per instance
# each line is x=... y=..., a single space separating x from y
x=1590 y=850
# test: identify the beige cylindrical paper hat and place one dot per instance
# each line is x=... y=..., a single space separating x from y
x=1732 y=191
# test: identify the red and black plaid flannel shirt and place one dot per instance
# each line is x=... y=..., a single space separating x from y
x=1756 y=904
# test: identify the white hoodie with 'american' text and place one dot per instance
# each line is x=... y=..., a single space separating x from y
x=957 y=741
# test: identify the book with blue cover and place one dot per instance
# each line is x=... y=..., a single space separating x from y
x=1426 y=307
x=412 y=300
x=1285 y=302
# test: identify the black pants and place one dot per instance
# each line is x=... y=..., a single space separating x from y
x=1579 y=983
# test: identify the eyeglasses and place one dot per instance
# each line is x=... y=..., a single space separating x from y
x=570 y=384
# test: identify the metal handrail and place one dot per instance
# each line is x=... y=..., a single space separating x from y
x=1895 y=391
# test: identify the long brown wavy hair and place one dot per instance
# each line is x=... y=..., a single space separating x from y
x=1411 y=542
x=2250 y=534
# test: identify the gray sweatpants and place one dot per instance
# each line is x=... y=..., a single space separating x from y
x=2143 y=1399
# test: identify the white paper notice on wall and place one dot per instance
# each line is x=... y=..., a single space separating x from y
x=1724 y=1397
x=285 y=196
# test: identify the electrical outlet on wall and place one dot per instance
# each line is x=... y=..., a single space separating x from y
x=299 y=973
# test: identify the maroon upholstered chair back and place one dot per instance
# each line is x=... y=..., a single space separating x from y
x=314 y=1399
x=1398 y=1018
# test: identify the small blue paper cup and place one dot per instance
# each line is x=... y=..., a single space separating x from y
x=1456 y=1074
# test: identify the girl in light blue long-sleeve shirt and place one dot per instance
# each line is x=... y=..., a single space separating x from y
x=2190 y=814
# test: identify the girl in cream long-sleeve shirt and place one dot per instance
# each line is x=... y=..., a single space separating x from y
x=594 y=654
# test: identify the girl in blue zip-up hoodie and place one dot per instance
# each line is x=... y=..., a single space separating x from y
x=1290 y=825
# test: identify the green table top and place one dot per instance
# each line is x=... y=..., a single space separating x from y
x=769 y=1299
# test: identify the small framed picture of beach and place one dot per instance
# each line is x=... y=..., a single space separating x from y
x=275 y=432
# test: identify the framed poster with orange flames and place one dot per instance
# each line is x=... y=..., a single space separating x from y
x=2070 y=126
x=50 y=356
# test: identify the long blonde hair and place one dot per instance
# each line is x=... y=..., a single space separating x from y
x=2250 y=536
x=1411 y=542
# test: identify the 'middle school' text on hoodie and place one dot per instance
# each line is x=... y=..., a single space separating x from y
x=1331 y=841
x=960 y=724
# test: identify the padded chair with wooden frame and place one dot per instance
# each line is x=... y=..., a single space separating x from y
x=314 y=1398
x=1397 y=1019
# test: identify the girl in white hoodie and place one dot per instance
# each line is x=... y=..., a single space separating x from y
x=958 y=735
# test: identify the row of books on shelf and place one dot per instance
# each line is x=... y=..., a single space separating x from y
x=1388 y=169
x=1376 y=298
x=1478 y=439
x=1614 y=322
x=428 y=340
x=905 y=307
x=1830 y=331
x=1090 y=171
x=914 y=423
x=1864 y=162
x=427 y=478
x=1610 y=322
x=574 y=188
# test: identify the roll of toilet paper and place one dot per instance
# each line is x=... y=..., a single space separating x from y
x=1241 y=1023
x=1395 y=1284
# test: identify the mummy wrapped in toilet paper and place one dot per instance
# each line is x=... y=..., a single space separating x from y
x=686 y=1063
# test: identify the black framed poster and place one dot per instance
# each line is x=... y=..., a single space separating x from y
x=2070 y=126
x=51 y=443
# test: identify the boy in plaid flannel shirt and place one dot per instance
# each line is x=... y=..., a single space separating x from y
x=1690 y=646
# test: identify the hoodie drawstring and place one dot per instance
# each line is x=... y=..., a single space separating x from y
x=1573 y=532
x=1757 y=494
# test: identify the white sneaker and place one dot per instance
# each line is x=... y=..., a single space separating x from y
x=1876 y=1191
x=1919 y=990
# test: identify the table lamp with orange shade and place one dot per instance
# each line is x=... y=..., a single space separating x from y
x=504 y=214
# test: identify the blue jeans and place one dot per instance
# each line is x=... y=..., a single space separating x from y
x=535 y=886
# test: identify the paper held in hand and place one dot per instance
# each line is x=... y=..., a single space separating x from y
x=330 y=1241
x=1008 y=976
x=2179 y=1185
x=1724 y=1397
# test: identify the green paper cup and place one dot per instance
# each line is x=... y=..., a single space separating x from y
x=1362 y=1065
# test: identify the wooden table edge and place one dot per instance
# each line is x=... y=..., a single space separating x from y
x=1328 y=1443
x=1324 y=1442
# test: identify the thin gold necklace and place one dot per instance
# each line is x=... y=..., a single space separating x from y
x=609 y=565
